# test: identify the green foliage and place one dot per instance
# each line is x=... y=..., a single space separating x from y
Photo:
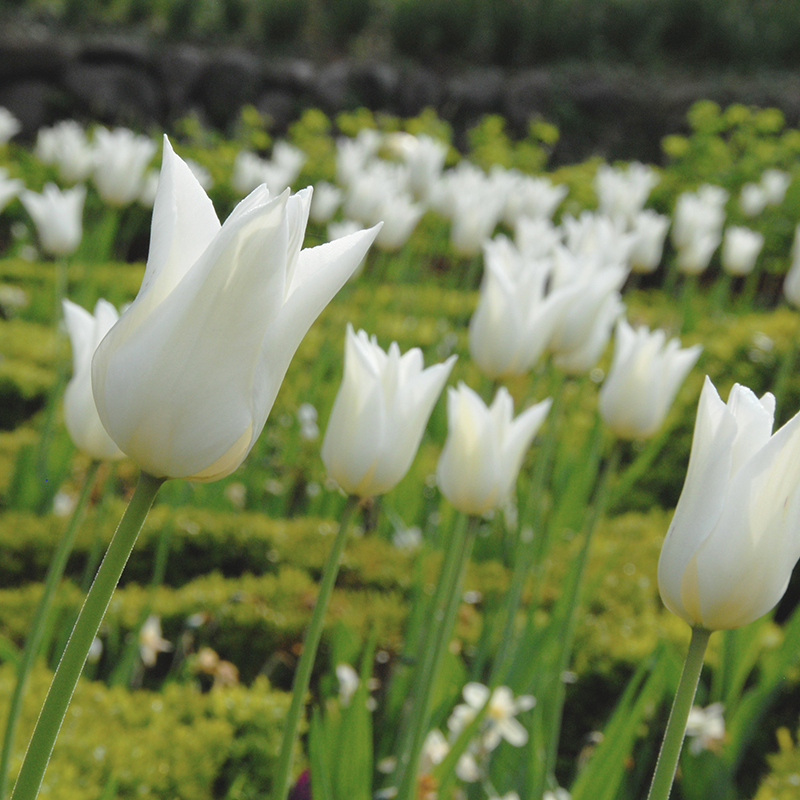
x=784 y=778
x=176 y=743
x=490 y=144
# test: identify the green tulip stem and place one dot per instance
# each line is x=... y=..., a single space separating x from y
x=34 y=640
x=302 y=676
x=94 y=608
x=667 y=763
x=443 y=619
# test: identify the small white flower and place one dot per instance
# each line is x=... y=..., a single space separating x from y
x=500 y=722
x=706 y=728
x=348 y=683
x=151 y=643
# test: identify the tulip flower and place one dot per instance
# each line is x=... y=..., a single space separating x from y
x=327 y=199
x=697 y=227
x=774 y=183
x=740 y=249
x=646 y=373
x=735 y=536
x=622 y=193
x=400 y=216
x=752 y=199
x=58 y=216
x=514 y=320
x=379 y=414
x=185 y=380
x=66 y=146
x=10 y=126
x=86 y=331
x=120 y=160
x=649 y=231
x=484 y=448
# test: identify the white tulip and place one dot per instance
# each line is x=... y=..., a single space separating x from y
x=120 y=160
x=514 y=321
x=649 y=232
x=752 y=199
x=740 y=249
x=327 y=199
x=185 y=380
x=645 y=375
x=86 y=331
x=775 y=182
x=58 y=216
x=735 y=536
x=622 y=193
x=66 y=146
x=10 y=126
x=379 y=414
x=483 y=453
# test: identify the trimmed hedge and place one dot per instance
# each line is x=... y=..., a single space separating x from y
x=178 y=743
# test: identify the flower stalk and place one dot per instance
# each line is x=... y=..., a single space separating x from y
x=667 y=763
x=302 y=676
x=69 y=669
x=443 y=617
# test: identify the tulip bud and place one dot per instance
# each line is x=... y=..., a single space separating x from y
x=735 y=536
x=484 y=449
x=379 y=414
x=58 y=217
x=80 y=413
x=185 y=380
x=643 y=380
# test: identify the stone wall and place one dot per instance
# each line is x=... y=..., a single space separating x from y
x=615 y=112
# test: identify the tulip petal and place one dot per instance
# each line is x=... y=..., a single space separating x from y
x=321 y=271
x=184 y=224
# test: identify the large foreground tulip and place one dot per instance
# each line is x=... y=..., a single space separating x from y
x=185 y=380
x=735 y=536
x=379 y=414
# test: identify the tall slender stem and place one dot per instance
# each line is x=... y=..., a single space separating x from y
x=439 y=633
x=94 y=608
x=667 y=763
x=34 y=641
x=302 y=676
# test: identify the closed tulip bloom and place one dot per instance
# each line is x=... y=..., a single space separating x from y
x=379 y=414
x=80 y=413
x=645 y=375
x=735 y=536
x=484 y=449
x=740 y=249
x=58 y=216
x=185 y=380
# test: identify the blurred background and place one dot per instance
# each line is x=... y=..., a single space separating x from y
x=615 y=76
